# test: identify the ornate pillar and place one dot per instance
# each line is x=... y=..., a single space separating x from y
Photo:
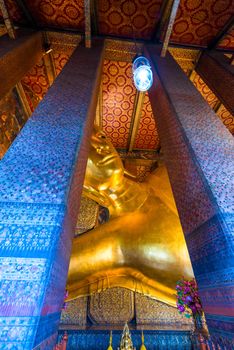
x=218 y=73
x=198 y=151
x=41 y=179
x=17 y=57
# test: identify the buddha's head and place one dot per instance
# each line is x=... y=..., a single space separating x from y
x=104 y=168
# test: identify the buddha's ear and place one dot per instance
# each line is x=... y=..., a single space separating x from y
x=95 y=195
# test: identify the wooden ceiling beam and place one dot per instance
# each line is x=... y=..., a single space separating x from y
x=137 y=111
x=94 y=17
x=164 y=15
x=174 y=5
x=87 y=5
x=17 y=57
x=12 y=34
x=8 y=23
x=222 y=33
x=48 y=60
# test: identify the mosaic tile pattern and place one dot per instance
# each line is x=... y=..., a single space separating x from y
x=39 y=194
x=153 y=312
x=47 y=344
x=14 y=331
x=88 y=215
x=94 y=340
x=112 y=306
x=199 y=158
x=75 y=313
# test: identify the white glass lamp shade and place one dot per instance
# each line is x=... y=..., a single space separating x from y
x=142 y=74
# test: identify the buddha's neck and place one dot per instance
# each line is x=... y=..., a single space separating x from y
x=126 y=197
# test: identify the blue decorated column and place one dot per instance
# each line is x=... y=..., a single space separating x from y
x=41 y=179
x=199 y=154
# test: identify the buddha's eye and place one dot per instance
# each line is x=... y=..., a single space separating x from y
x=101 y=136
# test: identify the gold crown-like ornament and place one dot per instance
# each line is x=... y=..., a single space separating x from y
x=126 y=340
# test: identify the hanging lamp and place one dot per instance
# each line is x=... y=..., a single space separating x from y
x=142 y=74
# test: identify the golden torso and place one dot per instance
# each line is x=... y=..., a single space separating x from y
x=142 y=246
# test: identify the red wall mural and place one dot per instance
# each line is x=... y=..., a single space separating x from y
x=36 y=82
x=147 y=135
x=118 y=99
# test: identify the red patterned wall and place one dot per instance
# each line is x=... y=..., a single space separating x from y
x=198 y=21
x=135 y=18
x=227 y=118
x=118 y=99
x=228 y=41
x=58 y=13
x=36 y=80
x=208 y=95
x=147 y=135
x=61 y=58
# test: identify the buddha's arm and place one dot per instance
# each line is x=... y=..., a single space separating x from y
x=146 y=245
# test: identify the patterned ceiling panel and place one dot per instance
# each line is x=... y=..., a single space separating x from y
x=208 y=95
x=147 y=135
x=228 y=41
x=118 y=99
x=36 y=81
x=15 y=12
x=227 y=118
x=135 y=18
x=58 y=13
x=198 y=21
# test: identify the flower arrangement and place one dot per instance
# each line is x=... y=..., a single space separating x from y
x=188 y=299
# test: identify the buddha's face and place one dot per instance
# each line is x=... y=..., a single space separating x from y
x=104 y=168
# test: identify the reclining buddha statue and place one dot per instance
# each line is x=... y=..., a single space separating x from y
x=142 y=246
